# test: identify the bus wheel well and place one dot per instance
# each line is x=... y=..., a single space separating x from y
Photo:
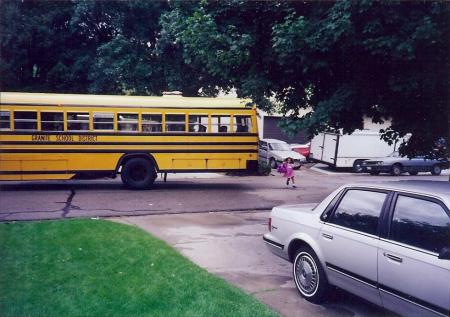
x=126 y=157
x=294 y=246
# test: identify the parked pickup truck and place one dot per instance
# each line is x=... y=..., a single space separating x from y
x=388 y=243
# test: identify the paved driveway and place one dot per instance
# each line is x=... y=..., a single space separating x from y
x=230 y=245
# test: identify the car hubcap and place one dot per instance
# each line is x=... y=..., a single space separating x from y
x=306 y=274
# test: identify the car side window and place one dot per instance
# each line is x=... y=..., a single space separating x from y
x=359 y=210
x=420 y=223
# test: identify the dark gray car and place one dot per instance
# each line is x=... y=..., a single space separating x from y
x=396 y=165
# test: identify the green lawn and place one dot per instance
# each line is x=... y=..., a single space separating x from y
x=101 y=268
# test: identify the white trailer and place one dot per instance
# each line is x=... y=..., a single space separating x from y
x=348 y=150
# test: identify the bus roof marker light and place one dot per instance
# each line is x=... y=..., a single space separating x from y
x=172 y=93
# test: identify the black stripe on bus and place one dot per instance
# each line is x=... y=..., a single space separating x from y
x=141 y=134
x=125 y=143
x=125 y=106
x=54 y=172
x=205 y=170
x=125 y=151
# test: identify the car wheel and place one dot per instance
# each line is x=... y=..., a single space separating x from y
x=413 y=173
x=273 y=163
x=396 y=170
x=436 y=170
x=375 y=173
x=357 y=166
x=138 y=173
x=309 y=275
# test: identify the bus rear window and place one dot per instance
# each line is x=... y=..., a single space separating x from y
x=78 y=121
x=243 y=123
x=5 y=123
x=25 y=120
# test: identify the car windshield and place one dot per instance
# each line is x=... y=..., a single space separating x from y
x=280 y=146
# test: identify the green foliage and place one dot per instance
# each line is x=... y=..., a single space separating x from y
x=80 y=46
x=345 y=60
x=386 y=60
x=101 y=268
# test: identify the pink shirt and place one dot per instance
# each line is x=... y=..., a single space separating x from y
x=289 y=170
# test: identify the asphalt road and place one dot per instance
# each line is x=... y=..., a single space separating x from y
x=108 y=198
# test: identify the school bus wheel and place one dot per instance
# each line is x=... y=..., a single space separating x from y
x=138 y=173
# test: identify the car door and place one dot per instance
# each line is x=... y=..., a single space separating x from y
x=349 y=241
x=419 y=164
x=413 y=280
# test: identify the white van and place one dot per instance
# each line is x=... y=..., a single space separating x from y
x=274 y=152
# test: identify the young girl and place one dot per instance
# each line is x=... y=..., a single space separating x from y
x=289 y=171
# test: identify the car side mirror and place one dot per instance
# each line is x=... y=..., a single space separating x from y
x=444 y=254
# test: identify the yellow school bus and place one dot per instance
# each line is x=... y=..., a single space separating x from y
x=66 y=136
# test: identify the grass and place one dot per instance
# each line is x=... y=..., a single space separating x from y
x=101 y=268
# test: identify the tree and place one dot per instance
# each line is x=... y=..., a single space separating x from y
x=36 y=46
x=387 y=60
x=80 y=46
x=346 y=59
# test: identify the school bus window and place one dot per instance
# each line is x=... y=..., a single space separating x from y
x=151 y=122
x=127 y=121
x=103 y=121
x=175 y=122
x=52 y=121
x=78 y=121
x=25 y=120
x=243 y=123
x=220 y=124
x=5 y=123
x=198 y=123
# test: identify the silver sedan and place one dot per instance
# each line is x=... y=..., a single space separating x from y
x=388 y=243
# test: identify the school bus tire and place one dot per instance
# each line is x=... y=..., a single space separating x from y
x=138 y=173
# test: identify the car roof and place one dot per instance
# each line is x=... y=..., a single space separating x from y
x=272 y=141
x=430 y=188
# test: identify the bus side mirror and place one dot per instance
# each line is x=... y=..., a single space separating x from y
x=444 y=254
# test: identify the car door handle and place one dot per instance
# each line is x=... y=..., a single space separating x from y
x=393 y=257
x=327 y=236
